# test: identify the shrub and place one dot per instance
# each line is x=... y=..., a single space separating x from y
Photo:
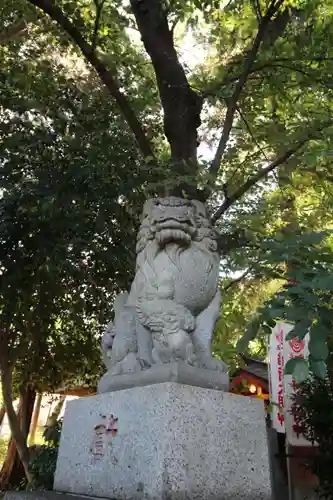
x=313 y=412
x=42 y=465
x=43 y=459
x=52 y=433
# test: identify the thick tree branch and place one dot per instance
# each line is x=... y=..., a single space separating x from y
x=181 y=104
x=108 y=78
x=257 y=9
x=272 y=64
x=252 y=181
x=6 y=372
x=99 y=7
x=236 y=280
x=232 y=101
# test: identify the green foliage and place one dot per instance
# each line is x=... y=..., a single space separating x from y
x=313 y=412
x=240 y=300
x=3 y=449
x=52 y=433
x=298 y=368
x=43 y=463
x=71 y=193
x=305 y=300
x=43 y=458
x=276 y=106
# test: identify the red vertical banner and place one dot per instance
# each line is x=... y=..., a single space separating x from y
x=293 y=348
x=276 y=376
x=282 y=387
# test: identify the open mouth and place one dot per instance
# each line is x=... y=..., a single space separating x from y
x=173 y=221
x=174 y=224
x=165 y=236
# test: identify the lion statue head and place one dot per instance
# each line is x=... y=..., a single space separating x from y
x=175 y=220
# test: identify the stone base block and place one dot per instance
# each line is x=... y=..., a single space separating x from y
x=165 y=441
x=44 y=495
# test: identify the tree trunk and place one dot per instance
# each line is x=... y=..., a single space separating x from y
x=18 y=434
x=29 y=398
x=8 y=463
x=2 y=414
x=284 y=178
x=181 y=104
x=34 y=423
x=52 y=419
x=13 y=470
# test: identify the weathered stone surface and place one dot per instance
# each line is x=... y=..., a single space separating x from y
x=165 y=442
x=44 y=495
x=171 y=372
x=170 y=312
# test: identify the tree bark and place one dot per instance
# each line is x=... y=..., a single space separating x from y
x=13 y=470
x=52 y=419
x=34 y=423
x=18 y=434
x=2 y=414
x=8 y=464
x=29 y=398
x=181 y=104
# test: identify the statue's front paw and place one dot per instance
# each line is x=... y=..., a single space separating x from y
x=130 y=364
x=215 y=364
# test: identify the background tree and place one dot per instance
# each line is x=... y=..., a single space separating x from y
x=304 y=300
x=255 y=34
x=65 y=193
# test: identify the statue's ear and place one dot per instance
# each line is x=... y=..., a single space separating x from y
x=200 y=208
x=147 y=208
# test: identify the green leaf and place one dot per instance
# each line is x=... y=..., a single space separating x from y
x=290 y=366
x=301 y=370
x=249 y=335
x=324 y=283
x=300 y=329
x=318 y=368
x=318 y=348
x=274 y=313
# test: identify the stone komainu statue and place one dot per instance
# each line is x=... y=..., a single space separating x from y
x=170 y=312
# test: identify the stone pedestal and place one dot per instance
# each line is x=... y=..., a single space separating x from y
x=167 y=441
